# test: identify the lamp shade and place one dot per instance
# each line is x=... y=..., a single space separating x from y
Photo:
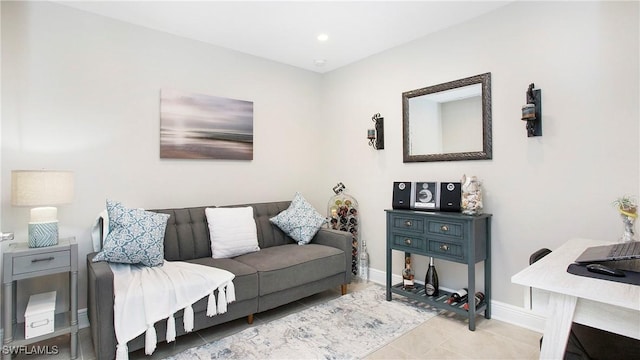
x=41 y=187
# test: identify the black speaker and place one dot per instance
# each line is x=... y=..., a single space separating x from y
x=450 y=196
x=401 y=195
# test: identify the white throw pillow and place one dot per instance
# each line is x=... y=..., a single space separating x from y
x=232 y=230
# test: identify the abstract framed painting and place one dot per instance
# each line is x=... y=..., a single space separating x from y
x=196 y=126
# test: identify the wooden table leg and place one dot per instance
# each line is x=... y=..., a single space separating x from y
x=558 y=325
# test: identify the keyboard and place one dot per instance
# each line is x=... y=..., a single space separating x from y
x=625 y=249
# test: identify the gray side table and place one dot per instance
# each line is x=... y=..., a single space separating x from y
x=21 y=262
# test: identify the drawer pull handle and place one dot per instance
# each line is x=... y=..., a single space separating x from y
x=407 y=241
x=408 y=223
x=43 y=259
x=444 y=228
x=444 y=247
x=37 y=324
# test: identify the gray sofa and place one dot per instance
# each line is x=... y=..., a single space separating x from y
x=281 y=272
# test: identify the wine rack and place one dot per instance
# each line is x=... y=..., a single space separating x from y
x=447 y=236
x=418 y=293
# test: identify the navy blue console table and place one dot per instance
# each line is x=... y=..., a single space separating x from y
x=448 y=236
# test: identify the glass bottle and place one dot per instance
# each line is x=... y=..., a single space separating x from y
x=408 y=274
x=479 y=297
x=458 y=296
x=431 y=286
x=363 y=264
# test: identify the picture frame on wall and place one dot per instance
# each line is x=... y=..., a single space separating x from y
x=198 y=126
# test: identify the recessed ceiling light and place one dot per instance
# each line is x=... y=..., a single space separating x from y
x=319 y=62
x=323 y=37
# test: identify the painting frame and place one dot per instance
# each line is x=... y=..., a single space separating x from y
x=200 y=126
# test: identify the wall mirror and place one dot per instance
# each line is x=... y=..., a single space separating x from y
x=450 y=121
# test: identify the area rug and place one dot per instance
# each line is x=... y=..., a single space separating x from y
x=349 y=327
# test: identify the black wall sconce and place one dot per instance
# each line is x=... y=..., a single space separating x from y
x=532 y=111
x=376 y=136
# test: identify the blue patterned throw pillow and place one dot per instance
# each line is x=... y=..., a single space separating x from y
x=135 y=236
x=300 y=221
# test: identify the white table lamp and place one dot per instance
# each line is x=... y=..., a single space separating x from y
x=40 y=189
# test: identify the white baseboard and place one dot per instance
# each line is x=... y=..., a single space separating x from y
x=517 y=316
x=500 y=311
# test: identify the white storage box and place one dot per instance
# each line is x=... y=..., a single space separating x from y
x=38 y=318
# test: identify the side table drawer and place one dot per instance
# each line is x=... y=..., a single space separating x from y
x=407 y=223
x=447 y=249
x=38 y=262
x=446 y=228
x=408 y=243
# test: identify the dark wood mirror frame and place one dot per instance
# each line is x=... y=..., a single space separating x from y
x=484 y=154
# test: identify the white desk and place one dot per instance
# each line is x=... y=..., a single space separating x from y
x=607 y=305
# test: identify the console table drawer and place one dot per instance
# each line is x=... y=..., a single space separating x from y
x=38 y=262
x=408 y=243
x=407 y=223
x=446 y=249
x=446 y=228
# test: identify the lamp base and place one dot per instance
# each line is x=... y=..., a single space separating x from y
x=43 y=234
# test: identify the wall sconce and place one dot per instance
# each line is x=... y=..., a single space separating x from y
x=376 y=136
x=532 y=112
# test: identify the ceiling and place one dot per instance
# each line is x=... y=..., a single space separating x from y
x=287 y=31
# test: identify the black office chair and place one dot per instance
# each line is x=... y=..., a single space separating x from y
x=586 y=343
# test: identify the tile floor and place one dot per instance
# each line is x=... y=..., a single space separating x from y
x=443 y=337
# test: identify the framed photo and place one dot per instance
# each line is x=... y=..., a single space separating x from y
x=196 y=126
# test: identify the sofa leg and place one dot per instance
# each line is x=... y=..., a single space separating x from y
x=343 y=288
x=250 y=319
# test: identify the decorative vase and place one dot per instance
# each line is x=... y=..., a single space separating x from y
x=471 y=195
x=629 y=233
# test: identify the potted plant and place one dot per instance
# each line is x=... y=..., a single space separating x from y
x=627 y=205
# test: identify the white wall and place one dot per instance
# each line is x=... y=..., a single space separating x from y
x=462 y=125
x=426 y=126
x=81 y=92
x=541 y=191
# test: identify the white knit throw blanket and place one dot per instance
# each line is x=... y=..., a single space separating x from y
x=145 y=295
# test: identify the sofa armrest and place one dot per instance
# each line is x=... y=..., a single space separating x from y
x=100 y=307
x=338 y=239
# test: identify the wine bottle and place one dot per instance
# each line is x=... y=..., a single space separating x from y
x=458 y=296
x=408 y=275
x=479 y=297
x=431 y=280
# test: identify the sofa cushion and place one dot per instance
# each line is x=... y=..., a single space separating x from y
x=135 y=236
x=300 y=221
x=187 y=234
x=288 y=266
x=246 y=280
x=232 y=231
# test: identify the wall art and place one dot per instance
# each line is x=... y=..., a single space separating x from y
x=196 y=126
